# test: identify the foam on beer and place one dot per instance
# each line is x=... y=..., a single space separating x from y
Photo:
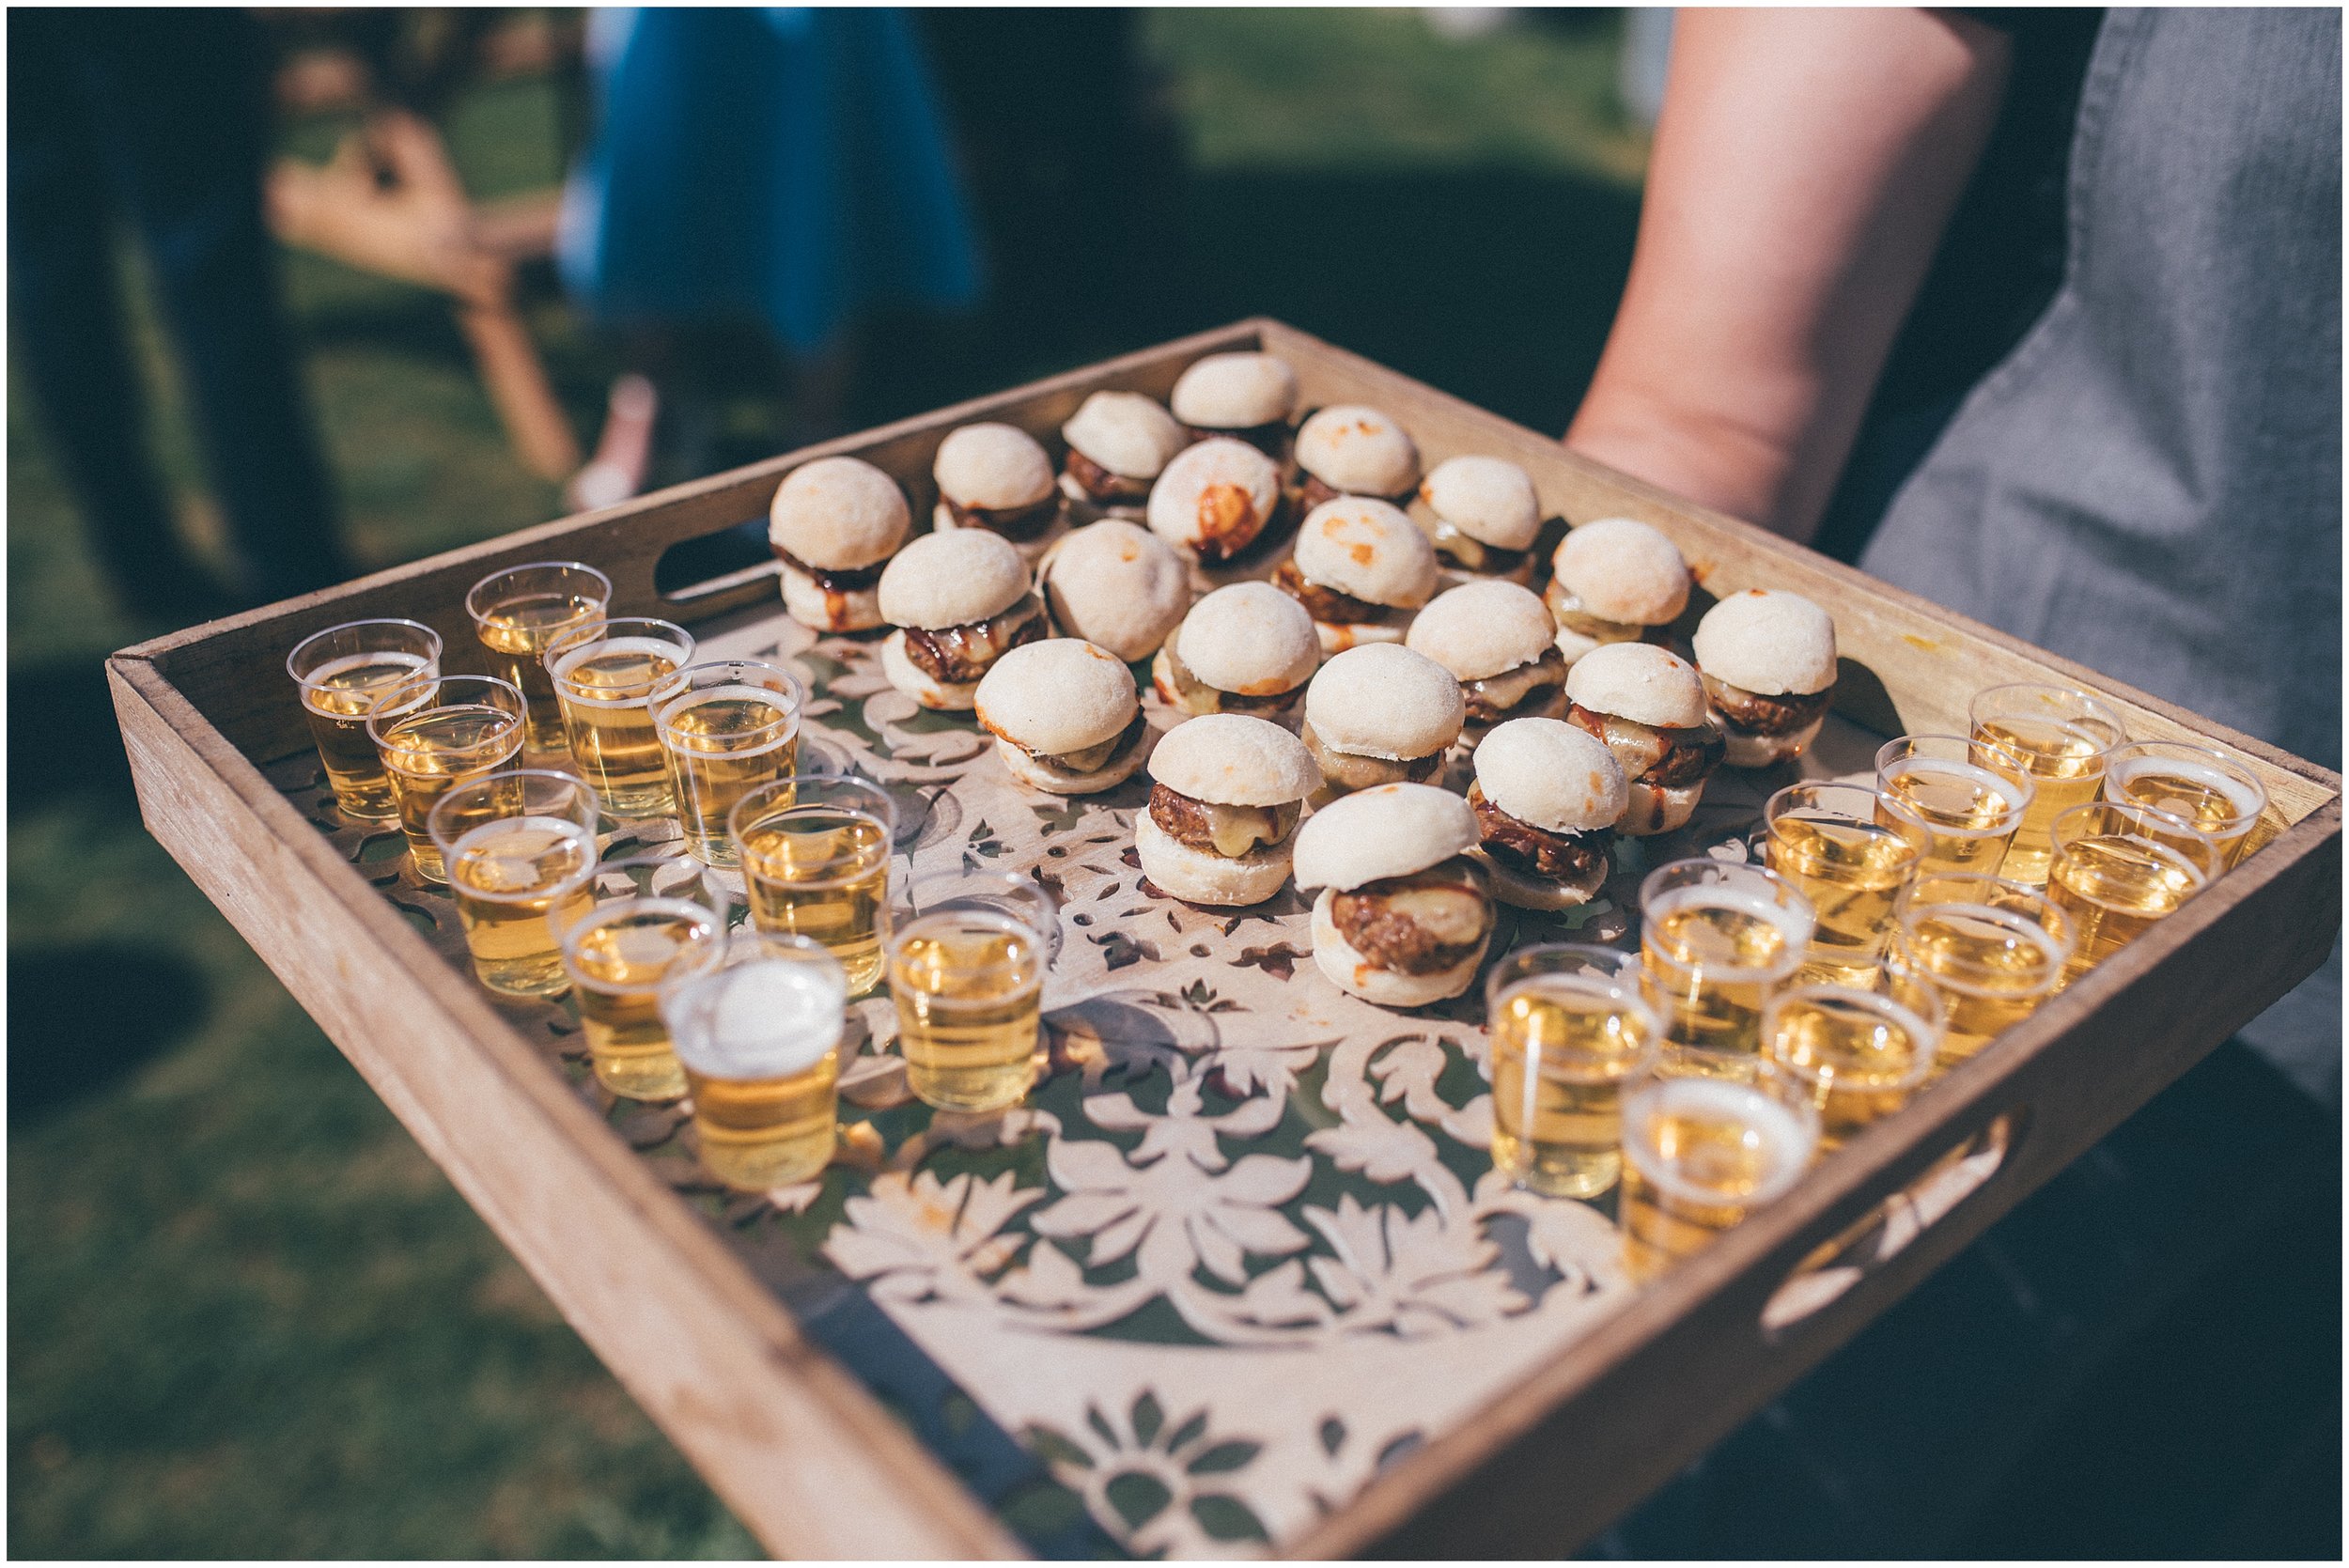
x=759 y=1019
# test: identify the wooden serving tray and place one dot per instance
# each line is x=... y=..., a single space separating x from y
x=1239 y=1278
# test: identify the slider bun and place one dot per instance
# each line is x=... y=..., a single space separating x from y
x=1389 y=830
x=1369 y=550
x=1213 y=477
x=1236 y=391
x=1357 y=449
x=919 y=684
x=1250 y=638
x=1550 y=776
x=1203 y=877
x=1053 y=779
x=1125 y=432
x=1769 y=641
x=1488 y=498
x=1483 y=628
x=1382 y=700
x=1525 y=889
x=994 y=466
x=1117 y=585
x=1638 y=681
x=1062 y=695
x=1624 y=571
x=839 y=514
x=1235 y=759
x=958 y=578
x=810 y=604
x=1348 y=970
x=1654 y=809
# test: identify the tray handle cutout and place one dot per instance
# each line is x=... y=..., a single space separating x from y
x=717 y=571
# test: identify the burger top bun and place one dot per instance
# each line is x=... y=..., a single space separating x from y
x=958 y=578
x=1488 y=498
x=1117 y=585
x=1250 y=638
x=1236 y=391
x=1769 y=642
x=999 y=466
x=1624 y=571
x=1231 y=759
x=838 y=514
x=1481 y=629
x=1059 y=696
x=1638 y=681
x=1550 y=776
x=1204 y=486
x=1390 y=830
x=1359 y=450
x=1382 y=700
x=1369 y=550
x=1125 y=432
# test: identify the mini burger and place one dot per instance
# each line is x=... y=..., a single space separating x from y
x=1064 y=715
x=1246 y=648
x=1610 y=581
x=1380 y=714
x=1546 y=800
x=1215 y=499
x=833 y=524
x=999 y=478
x=1769 y=663
x=1486 y=516
x=1116 y=585
x=1360 y=569
x=1225 y=794
x=1118 y=444
x=1348 y=449
x=1249 y=397
x=960 y=601
x=1404 y=917
x=1497 y=641
x=1648 y=706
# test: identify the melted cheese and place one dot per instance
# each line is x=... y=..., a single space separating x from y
x=1512 y=687
x=1237 y=829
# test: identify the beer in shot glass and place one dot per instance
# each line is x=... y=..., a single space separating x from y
x=726 y=726
x=1992 y=951
x=2214 y=791
x=756 y=1019
x=1828 y=840
x=2118 y=869
x=2061 y=738
x=604 y=674
x=1969 y=811
x=641 y=916
x=1860 y=1049
x=814 y=856
x=517 y=847
x=1716 y=939
x=342 y=673
x=1708 y=1138
x=435 y=733
x=966 y=972
x=515 y=613
x=1568 y=1024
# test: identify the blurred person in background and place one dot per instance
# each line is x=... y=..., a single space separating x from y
x=161 y=116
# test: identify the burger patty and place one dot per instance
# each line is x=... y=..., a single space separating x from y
x=852 y=582
x=1422 y=924
x=1272 y=439
x=1012 y=523
x=1573 y=858
x=1494 y=698
x=1110 y=489
x=1316 y=490
x=1326 y=604
x=1232 y=832
x=1667 y=758
x=1758 y=713
x=958 y=654
x=1355 y=770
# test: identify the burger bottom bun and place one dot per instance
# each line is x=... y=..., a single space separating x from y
x=810 y=604
x=919 y=684
x=1524 y=891
x=1036 y=773
x=1204 y=876
x=1338 y=636
x=1747 y=749
x=1348 y=970
x=1655 y=809
x=1082 y=508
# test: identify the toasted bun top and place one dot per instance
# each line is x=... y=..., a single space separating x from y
x=1640 y=682
x=955 y=578
x=1235 y=392
x=1062 y=695
x=1125 y=432
x=839 y=514
x=1249 y=638
x=995 y=466
x=1368 y=548
x=1232 y=759
x=1117 y=584
x=1623 y=570
x=1390 y=830
x=1488 y=498
x=1482 y=629
x=1359 y=450
x=1193 y=479
x=1768 y=641
x=1382 y=700
x=1549 y=774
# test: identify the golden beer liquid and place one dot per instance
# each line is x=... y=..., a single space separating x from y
x=761 y=1050
x=617 y=964
x=508 y=878
x=969 y=987
x=1713 y=956
x=1559 y=1054
x=2066 y=763
x=1859 y=1065
x=1969 y=812
x=1991 y=968
x=723 y=743
x=433 y=751
x=2115 y=887
x=603 y=690
x=516 y=631
x=1852 y=872
x=822 y=873
x=336 y=700
x=1699 y=1153
x=766 y=1132
x=2213 y=802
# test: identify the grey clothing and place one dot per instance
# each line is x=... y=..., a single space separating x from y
x=2149 y=483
